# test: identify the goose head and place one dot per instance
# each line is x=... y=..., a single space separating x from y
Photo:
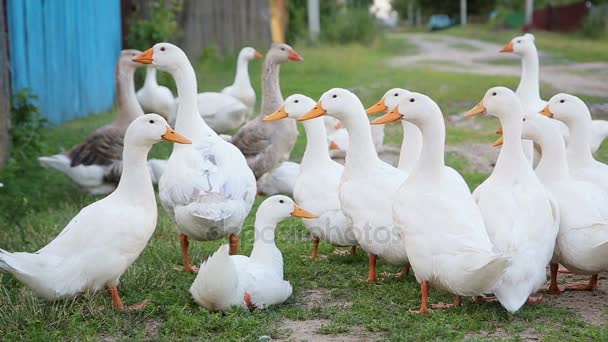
x=164 y=56
x=412 y=107
x=500 y=102
x=249 y=53
x=277 y=208
x=566 y=108
x=150 y=129
x=520 y=45
x=280 y=53
x=389 y=100
x=126 y=58
x=337 y=102
x=294 y=107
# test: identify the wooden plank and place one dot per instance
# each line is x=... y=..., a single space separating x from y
x=5 y=93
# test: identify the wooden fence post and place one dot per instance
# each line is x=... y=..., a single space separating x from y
x=5 y=93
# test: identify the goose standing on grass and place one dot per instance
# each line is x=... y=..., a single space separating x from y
x=368 y=185
x=520 y=216
x=412 y=137
x=445 y=236
x=575 y=114
x=155 y=98
x=316 y=186
x=267 y=144
x=207 y=188
x=98 y=245
x=241 y=89
x=582 y=240
x=96 y=163
x=253 y=282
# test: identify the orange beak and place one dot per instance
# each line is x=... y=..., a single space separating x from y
x=479 y=109
x=546 y=112
x=507 y=48
x=499 y=130
x=277 y=115
x=498 y=142
x=377 y=108
x=173 y=136
x=257 y=54
x=294 y=56
x=145 y=57
x=299 y=212
x=333 y=145
x=314 y=113
x=391 y=116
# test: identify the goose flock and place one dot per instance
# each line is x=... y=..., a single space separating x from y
x=492 y=244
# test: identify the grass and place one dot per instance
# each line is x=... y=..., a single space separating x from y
x=43 y=202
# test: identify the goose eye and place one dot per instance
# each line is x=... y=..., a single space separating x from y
x=162 y=48
x=296 y=101
x=524 y=119
x=151 y=121
x=412 y=100
x=334 y=96
x=396 y=94
x=282 y=49
x=519 y=40
x=494 y=94
x=562 y=101
x=281 y=201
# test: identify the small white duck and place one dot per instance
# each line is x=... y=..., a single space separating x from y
x=280 y=180
x=412 y=138
x=241 y=89
x=155 y=98
x=520 y=216
x=368 y=184
x=445 y=236
x=575 y=114
x=98 y=245
x=316 y=186
x=253 y=282
x=582 y=240
x=207 y=188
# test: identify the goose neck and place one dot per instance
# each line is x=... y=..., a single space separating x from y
x=271 y=88
x=264 y=230
x=188 y=121
x=135 y=182
x=150 y=77
x=316 y=144
x=241 y=79
x=410 y=147
x=511 y=154
x=579 y=151
x=432 y=160
x=552 y=165
x=529 y=84
x=361 y=151
x=128 y=106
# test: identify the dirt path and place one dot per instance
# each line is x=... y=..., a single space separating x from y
x=454 y=54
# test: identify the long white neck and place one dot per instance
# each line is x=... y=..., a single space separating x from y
x=316 y=144
x=361 y=152
x=271 y=88
x=511 y=154
x=431 y=161
x=128 y=106
x=578 y=151
x=135 y=182
x=264 y=230
x=529 y=84
x=150 y=77
x=410 y=147
x=241 y=79
x=552 y=166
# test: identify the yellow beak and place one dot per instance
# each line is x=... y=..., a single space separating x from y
x=499 y=130
x=173 y=136
x=277 y=115
x=145 y=57
x=507 y=48
x=379 y=107
x=299 y=212
x=479 y=109
x=314 y=113
x=391 y=116
x=498 y=142
x=546 y=112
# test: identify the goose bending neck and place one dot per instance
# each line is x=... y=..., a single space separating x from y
x=361 y=152
x=578 y=151
x=241 y=79
x=271 y=89
x=552 y=165
x=511 y=153
x=128 y=106
x=410 y=147
x=188 y=121
x=316 y=144
x=529 y=84
x=135 y=183
x=431 y=161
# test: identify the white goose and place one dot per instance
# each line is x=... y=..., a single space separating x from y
x=280 y=180
x=582 y=240
x=155 y=98
x=521 y=218
x=445 y=236
x=241 y=89
x=316 y=186
x=253 y=282
x=412 y=138
x=207 y=188
x=98 y=245
x=368 y=184
x=575 y=114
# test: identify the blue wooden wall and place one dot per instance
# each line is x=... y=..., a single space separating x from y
x=65 y=51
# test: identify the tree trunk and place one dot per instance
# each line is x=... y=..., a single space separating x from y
x=5 y=93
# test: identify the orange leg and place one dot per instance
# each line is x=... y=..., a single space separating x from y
x=457 y=302
x=590 y=286
x=371 y=276
x=404 y=272
x=535 y=299
x=117 y=302
x=234 y=244
x=315 y=247
x=553 y=288
x=424 y=306
x=183 y=241
x=563 y=269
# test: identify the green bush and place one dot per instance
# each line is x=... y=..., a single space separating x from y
x=161 y=26
x=596 y=23
x=27 y=126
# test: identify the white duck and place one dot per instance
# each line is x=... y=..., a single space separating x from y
x=95 y=164
x=98 y=245
x=316 y=186
x=155 y=98
x=528 y=89
x=267 y=144
x=368 y=184
x=445 y=236
x=241 y=89
x=574 y=113
x=582 y=240
x=520 y=216
x=280 y=180
x=412 y=138
x=207 y=188
x=253 y=282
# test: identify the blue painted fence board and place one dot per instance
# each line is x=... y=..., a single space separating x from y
x=65 y=51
